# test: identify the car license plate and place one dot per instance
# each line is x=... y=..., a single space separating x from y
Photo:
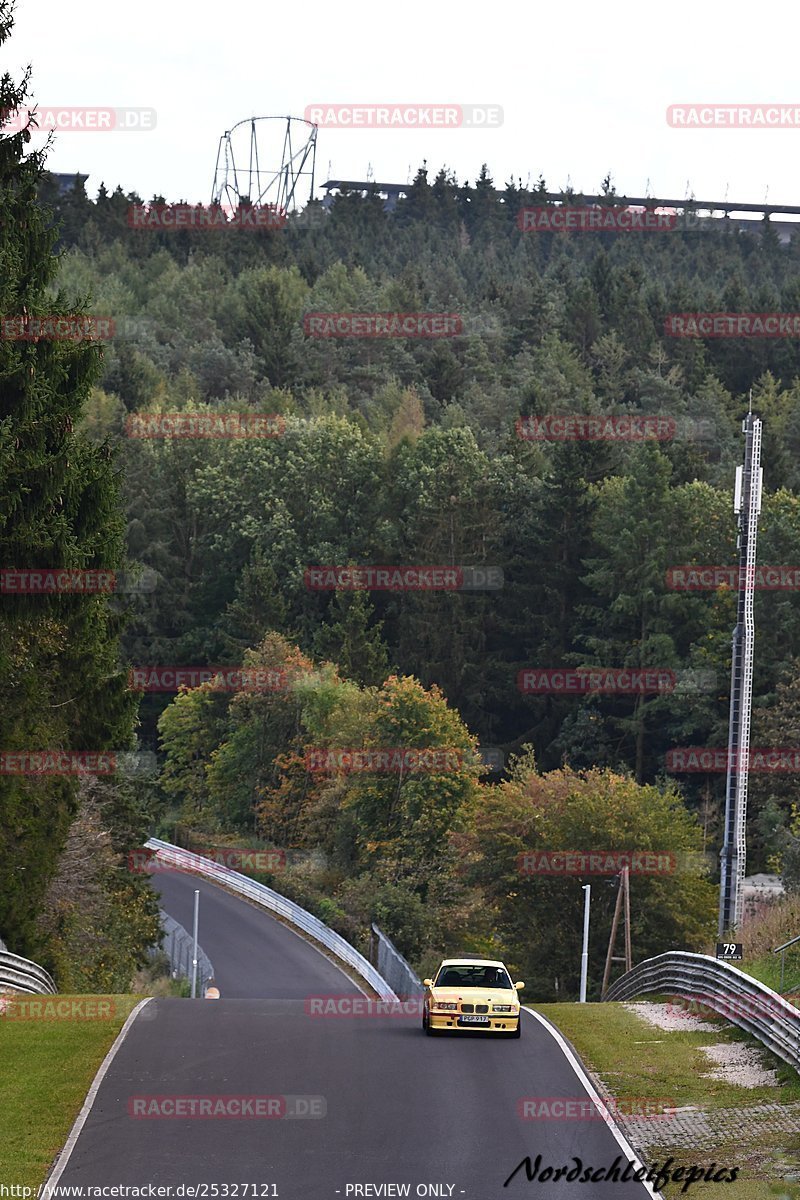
x=476 y=1020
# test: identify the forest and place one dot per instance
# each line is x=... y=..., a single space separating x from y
x=391 y=451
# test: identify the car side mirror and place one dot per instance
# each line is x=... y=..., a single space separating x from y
x=427 y=983
x=519 y=986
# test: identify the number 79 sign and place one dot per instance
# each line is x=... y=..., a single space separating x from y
x=730 y=951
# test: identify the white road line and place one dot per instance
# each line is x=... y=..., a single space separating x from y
x=577 y=1067
x=80 y=1120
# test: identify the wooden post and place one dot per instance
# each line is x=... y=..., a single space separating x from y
x=611 y=941
x=626 y=883
x=623 y=897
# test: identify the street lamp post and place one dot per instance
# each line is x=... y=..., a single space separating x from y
x=587 y=895
x=194 y=949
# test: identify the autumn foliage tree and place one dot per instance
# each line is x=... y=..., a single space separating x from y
x=537 y=918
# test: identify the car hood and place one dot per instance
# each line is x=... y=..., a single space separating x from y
x=477 y=994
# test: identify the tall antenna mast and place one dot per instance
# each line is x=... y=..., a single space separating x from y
x=747 y=503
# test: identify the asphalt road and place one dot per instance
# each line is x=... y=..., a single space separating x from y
x=437 y=1114
x=253 y=955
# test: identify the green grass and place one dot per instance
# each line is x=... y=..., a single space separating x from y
x=759 y=1177
x=767 y=969
x=636 y=1061
x=47 y=1069
x=663 y=1065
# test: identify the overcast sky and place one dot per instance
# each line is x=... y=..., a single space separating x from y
x=584 y=88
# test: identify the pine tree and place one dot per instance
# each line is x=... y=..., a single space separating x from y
x=58 y=508
x=351 y=641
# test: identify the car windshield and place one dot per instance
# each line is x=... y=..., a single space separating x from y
x=473 y=975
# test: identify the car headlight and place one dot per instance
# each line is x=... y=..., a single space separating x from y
x=442 y=1004
x=504 y=1008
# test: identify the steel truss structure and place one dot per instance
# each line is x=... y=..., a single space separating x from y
x=747 y=503
x=241 y=173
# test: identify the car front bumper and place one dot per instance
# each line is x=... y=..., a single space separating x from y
x=497 y=1023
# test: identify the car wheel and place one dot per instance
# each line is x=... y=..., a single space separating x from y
x=518 y=1031
x=426 y=1025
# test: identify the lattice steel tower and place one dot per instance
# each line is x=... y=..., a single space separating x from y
x=240 y=178
x=747 y=503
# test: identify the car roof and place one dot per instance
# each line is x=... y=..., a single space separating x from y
x=466 y=961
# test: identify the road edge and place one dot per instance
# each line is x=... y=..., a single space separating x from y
x=571 y=1055
x=64 y=1154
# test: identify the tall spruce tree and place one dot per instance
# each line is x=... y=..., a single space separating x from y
x=59 y=507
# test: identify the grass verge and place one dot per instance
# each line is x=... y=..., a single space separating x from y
x=634 y=1061
x=48 y=1066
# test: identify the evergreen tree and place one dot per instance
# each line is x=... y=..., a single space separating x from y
x=352 y=641
x=59 y=507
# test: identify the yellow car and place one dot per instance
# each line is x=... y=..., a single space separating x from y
x=472 y=993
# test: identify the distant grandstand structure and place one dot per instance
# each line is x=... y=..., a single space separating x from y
x=391 y=192
x=714 y=209
x=743 y=216
x=67 y=183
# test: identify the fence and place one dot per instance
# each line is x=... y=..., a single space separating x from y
x=393 y=967
x=259 y=893
x=24 y=976
x=723 y=989
x=178 y=945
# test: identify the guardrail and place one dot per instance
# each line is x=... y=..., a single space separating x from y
x=723 y=989
x=259 y=893
x=24 y=975
x=782 y=951
x=178 y=945
x=393 y=967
